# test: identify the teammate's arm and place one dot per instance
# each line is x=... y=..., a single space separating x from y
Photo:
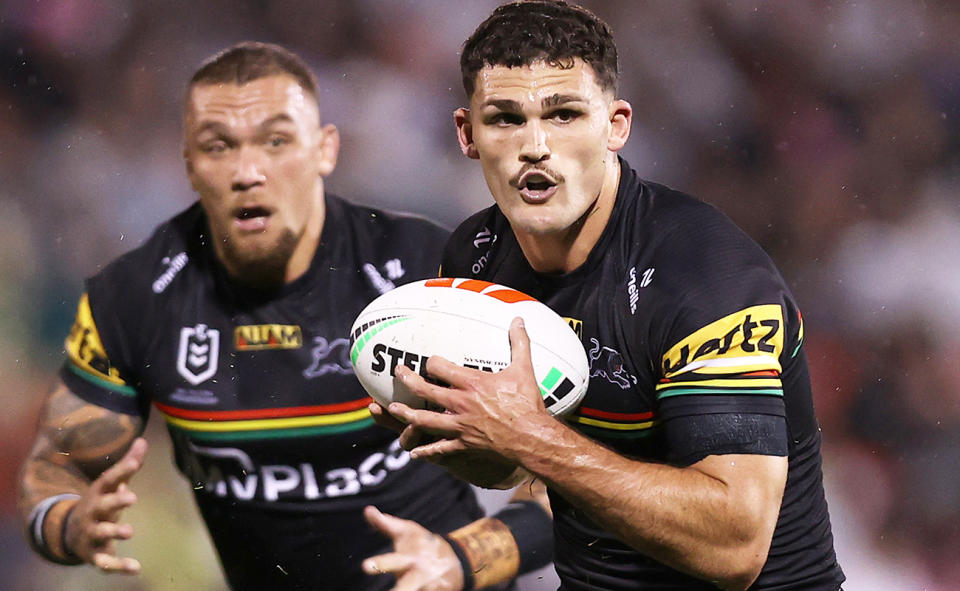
x=73 y=485
x=713 y=519
x=480 y=555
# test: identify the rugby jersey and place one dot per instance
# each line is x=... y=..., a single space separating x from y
x=682 y=316
x=268 y=422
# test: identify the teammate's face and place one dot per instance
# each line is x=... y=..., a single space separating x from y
x=256 y=154
x=546 y=139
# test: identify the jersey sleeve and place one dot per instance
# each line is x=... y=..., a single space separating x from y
x=91 y=373
x=728 y=337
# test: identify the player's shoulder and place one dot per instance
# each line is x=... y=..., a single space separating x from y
x=174 y=245
x=375 y=224
x=474 y=242
x=695 y=239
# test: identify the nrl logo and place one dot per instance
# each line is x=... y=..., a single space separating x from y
x=198 y=353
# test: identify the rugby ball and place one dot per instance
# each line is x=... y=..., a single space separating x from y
x=465 y=321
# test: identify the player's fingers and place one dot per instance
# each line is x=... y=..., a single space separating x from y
x=439 y=395
x=384 y=522
x=410 y=437
x=107 y=530
x=519 y=344
x=414 y=580
x=425 y=420
x=393 y=562
x=125 y=468
x=109 y=563
x=384 y=418
x=109 y=506
x=438 y=448
x=449 y=372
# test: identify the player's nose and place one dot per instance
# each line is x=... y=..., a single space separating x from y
x=248 y=171
x=535 y=146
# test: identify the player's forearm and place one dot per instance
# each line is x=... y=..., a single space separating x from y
x=515 y=540
x=75 y=442
x=680 y=516
x=49 y=488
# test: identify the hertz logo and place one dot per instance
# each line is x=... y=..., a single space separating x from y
x=749 y=339
x=259 y=337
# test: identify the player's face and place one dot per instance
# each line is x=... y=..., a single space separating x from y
x=256 y=154
x=546 y=139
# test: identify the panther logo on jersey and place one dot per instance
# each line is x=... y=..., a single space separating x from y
x=329 y=357
x=198 y=353
x=607 y=363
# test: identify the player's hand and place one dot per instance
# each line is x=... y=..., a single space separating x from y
x=410 y=436
x=93 y=529
x=421 y=560
x=484 y=411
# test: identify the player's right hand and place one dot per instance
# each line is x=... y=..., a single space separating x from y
x=92 y=528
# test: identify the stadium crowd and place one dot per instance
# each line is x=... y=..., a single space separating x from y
x=828 y=130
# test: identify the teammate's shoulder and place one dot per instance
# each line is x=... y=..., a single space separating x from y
x=165 y=253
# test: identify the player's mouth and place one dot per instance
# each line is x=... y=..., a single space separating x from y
x=251 y=219
x=536 y=186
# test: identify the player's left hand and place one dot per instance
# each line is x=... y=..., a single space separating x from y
x=484 y=411
x=421 y=560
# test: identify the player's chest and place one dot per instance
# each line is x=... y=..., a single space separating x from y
x=282 y=354
x=619 y=407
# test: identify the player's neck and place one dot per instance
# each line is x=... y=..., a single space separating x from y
x=303 y=254
x=565 y=251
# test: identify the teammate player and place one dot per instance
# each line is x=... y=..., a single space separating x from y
x=232 y=321
x=694 y=460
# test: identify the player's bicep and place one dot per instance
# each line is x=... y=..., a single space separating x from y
x=691 y=436
x=85 y=436
x=756 y=484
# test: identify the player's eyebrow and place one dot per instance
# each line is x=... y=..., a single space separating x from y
x=278 y=118
x=212 y=126
x=559 y=99
x=504 y=105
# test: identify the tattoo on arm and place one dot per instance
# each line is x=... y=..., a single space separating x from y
x=76 y=441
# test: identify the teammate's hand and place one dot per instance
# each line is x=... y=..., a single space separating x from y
x=92 y=529
x=484 y=411
x=421 y=560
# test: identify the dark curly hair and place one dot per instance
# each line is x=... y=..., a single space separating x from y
x=525 y=32
x=251 y=60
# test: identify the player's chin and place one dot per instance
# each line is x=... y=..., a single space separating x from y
x=540 y=224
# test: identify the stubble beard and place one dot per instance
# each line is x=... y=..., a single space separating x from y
x=262 y=267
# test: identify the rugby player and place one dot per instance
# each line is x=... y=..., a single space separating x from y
x=232 y=321
x=694 y=460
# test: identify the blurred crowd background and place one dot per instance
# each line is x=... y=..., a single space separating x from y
x=828 y=129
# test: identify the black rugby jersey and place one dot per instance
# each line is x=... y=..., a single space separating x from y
x=268 y=421
x=685 y=319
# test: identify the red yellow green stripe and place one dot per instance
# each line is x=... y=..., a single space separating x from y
x=280 y=433
x=263 y=423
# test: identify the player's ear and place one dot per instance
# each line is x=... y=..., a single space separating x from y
x=461 y=117
x=329 y=148
x=621 y=118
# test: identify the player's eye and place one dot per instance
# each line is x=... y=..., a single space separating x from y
x=214 y=147
x=277 y=141
x=505 y=119
x=564 y=115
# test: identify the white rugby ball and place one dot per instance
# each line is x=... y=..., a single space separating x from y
x=465 y=321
